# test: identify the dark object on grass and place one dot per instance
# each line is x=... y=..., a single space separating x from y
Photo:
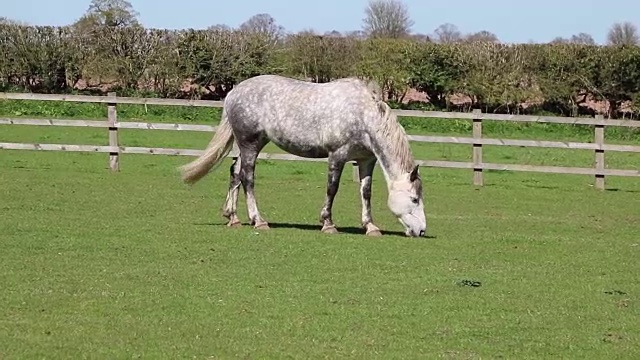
x=615 y=292
x=471 y=283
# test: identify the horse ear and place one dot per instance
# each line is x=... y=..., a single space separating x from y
x=415 y=173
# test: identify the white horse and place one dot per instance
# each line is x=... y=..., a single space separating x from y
x=343 y=120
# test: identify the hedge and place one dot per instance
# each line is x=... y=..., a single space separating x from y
x=513 y=78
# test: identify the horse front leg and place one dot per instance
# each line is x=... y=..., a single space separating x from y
x=365 y=169
x=335 y=166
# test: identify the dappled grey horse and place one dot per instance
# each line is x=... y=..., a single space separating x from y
x=343 y=120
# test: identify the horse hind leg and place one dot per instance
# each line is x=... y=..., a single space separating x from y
x=249 y=153
x=231 y=205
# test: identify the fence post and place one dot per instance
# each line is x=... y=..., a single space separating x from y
x=599 y=140
x=477 y=149
x=112 y=120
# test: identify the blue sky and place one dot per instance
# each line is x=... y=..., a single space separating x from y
x=538 y=21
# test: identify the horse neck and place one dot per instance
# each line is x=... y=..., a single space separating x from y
x=391 y=147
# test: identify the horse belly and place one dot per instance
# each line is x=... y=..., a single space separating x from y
x=309 y=140
x=307 y=151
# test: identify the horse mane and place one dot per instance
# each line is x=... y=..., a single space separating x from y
x=397 y=141
x=389 y=129
x=371 y=85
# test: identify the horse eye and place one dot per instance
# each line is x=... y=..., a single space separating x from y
x=415 y=200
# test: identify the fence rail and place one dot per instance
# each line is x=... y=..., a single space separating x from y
x=599 y=171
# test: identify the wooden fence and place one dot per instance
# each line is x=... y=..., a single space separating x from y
x=599 y=171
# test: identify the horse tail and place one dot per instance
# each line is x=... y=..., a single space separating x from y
x=218 y=148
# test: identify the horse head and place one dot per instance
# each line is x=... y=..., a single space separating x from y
x=405 y=202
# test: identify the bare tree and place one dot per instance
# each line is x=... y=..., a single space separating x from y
x=623 y=34
x=387 y=18
x=6 y=21
x=421 y=37
x=356 y=34
x=219 y=27
x=447 y=33
x=583 y=39
x=482 y=36
x=333 y=33
x=263 y=24
x=559 y=40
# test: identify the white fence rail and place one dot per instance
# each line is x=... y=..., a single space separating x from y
x=599 y=171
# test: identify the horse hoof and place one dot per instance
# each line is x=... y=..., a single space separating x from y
x=263 y=226
x=234 y=224
x=329 y=229
x=374 y=233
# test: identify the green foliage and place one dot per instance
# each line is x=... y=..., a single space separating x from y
x=387 y=61
x=319 y=58
x=35 y=57
x=497 y=77
x=555 y=78
x=616 y=74
x=437 y=70
x=111 y=13
x=561 y=73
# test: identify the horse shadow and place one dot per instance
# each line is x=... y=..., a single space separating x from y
x=622 y=190
x=351 y=230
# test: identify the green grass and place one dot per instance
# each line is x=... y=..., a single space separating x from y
x=135 y=264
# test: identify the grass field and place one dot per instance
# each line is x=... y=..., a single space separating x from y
x=135 y=264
